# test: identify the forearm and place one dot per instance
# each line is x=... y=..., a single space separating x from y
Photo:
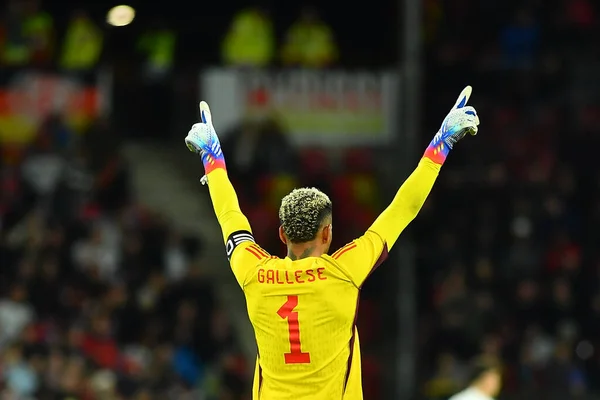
x=407 y=203
x=225 y=203
x=461 y=120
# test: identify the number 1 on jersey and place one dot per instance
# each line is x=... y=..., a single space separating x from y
x=295 y=356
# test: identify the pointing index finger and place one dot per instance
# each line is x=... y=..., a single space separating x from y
x=463 y=98
x=205 y=113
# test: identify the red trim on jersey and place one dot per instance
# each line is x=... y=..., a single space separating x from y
x=258 y=249
x=254 y=252
x=341 y=248
x=341 y=251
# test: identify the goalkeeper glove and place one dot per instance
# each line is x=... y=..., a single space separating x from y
x=459 y=122
x=202 y=139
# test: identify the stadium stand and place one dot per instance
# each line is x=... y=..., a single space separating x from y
x=513 y=272
x=100 y=297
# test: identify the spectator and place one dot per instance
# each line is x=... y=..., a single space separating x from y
x=309 y=42
x=484 y=382
x=15 y=314
x=82 y=45
x=445 y=380
x=250 y=41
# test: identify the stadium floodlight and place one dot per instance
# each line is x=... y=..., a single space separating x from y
x=121 y=15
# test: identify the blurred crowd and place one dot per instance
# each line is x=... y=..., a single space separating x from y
x=31 y=35
x=101 y=298
x=508 y=260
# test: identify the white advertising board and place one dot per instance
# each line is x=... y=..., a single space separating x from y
x=315 y=107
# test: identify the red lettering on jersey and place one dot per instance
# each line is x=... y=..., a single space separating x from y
x=287 y=278
x=298 y=276
x=279 y=281
x=270 y=276
x=320 y=272
x=261 y=275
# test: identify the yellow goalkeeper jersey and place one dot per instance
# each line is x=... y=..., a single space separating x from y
x=304 y=311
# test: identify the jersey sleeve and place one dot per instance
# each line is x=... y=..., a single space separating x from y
x=360 y=257
x=242 y=251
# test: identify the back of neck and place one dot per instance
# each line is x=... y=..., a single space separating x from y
x=304 y=250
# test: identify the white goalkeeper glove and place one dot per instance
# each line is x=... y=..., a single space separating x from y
x=202 y=139
x=460 y=121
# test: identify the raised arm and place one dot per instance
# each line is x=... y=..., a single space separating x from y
x=362 y=255
x=412 y=194
x=407 y=203
x=225 y=204
x=237 y=234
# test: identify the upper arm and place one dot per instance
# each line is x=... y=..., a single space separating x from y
x=359 y=258
x=244 y=254
x=406 y=204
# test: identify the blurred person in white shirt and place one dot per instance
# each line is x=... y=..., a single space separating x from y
x=15 y=314
x=484 y=384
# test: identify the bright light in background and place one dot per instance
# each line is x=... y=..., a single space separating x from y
x=120 y=15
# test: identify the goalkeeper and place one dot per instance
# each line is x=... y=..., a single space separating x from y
x=303 y=307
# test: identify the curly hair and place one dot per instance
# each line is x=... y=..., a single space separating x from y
x=302 y=212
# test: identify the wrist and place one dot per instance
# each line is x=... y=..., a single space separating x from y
x=212 y=163
x=437 y=151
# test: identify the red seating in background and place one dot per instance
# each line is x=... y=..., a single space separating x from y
x=363 y=218
x=358 y=160
x=264 y=223
x=314 y=161
x=341 y=188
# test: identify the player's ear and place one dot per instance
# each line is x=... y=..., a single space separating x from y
x=327 y=233
x=282 y=235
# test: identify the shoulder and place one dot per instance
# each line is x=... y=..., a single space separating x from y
x=243 y=240
x=344 y=249
x=258 y=252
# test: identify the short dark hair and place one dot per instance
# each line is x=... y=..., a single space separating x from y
x=302 y=213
